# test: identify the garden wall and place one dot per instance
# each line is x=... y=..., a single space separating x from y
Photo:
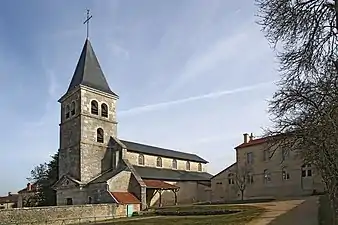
x=57 y=215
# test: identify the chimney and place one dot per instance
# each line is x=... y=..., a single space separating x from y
x=29 y=187
x=251 y=137
x=245 y=136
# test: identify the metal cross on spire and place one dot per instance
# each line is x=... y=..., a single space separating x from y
x=87 y=21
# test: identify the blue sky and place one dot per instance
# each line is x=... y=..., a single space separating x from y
x=191 y=75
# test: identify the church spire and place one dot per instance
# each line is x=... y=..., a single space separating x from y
x=88 y=72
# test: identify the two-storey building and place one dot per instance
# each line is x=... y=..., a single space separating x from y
x=267 y=172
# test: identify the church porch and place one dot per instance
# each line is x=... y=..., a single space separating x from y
x=155 y=189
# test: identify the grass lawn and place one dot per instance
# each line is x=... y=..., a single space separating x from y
x=245 y=214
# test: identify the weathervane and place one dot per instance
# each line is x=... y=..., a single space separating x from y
x=87 y=22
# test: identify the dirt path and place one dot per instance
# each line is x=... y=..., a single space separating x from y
x=300 y=212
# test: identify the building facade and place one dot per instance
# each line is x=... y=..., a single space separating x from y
x=265 y=172
x=97 y=167
x=27 y=196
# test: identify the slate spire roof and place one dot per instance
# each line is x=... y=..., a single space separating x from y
x=88 y=72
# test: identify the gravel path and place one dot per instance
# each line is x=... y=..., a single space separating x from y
x=301 y=212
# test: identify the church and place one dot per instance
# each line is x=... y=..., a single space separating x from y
x=95 y=166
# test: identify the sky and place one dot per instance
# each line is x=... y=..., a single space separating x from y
x=192 y=75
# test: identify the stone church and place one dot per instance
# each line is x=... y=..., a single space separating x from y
x=95 y=166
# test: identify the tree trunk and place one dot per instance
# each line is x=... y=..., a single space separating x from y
x=242 y=195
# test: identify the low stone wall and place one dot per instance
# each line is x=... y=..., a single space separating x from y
x=57 y=215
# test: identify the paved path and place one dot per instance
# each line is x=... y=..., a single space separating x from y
x=300 y=212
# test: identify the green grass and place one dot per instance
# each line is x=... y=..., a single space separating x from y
x=243 y=216
x=325 y=214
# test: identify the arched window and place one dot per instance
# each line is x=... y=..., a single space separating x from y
x=94 y=108
x=187 y=165
x=141 y=159
x=285 y=174
x=200 y=167
x=72 y=108
x=267 y=176
x=174 y=164
x=104 y=110
x=159 y=162
x=67 y=111
x=99 y=135
x=231 y=178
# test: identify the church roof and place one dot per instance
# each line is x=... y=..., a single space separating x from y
x=171 y=175
x=88 y=72
x=152 y=150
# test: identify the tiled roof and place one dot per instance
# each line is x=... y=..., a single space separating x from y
x=171 y=175
x=12 y=198
x=125 y=198
x=253 y=142
x=152 y=150
x=159 y=184
x=33 y=188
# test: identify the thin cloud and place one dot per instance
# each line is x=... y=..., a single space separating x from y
x=119 y=51
x=199 y=64
x=158 y=106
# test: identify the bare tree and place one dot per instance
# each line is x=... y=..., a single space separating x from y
x=305 y=108
x=242 y=178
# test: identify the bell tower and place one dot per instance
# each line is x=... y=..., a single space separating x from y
x=88 y=120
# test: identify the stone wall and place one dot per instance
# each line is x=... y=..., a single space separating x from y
x=120 y=182
x=70 y=130
x=96 y=157
x=220 y=188
x=57 y=215
x=78 y=196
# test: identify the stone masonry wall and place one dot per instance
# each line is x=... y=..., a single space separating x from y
x=78 y=196
x=150 y=160
x=120 y=182
x=57 y=215
x=96 y=157
x=220 y=188
x=70 y=130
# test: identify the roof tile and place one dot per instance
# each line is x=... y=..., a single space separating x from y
x=125 y=198
x=159 y=184
x=253 y=142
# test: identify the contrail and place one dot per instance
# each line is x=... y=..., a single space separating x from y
x=218 y=94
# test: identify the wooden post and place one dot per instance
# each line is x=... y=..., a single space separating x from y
x=160 y=203
x=175 y=192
